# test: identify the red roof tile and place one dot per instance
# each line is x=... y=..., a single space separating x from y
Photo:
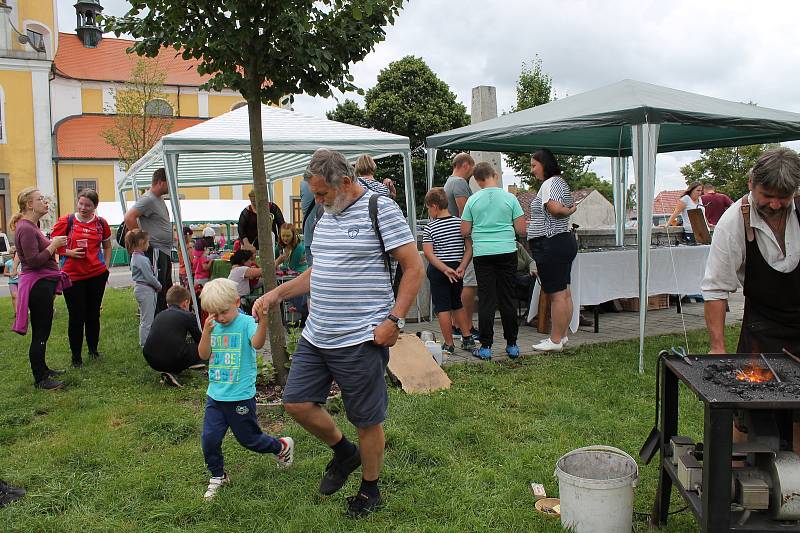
x=110 y=62
x=79 y=137
x=524 y=198
x=665 y=202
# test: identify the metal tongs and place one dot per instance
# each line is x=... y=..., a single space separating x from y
x=680 y=352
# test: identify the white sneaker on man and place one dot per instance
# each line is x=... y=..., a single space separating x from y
x=285 y=457
x=214 y=485
x=547 y=345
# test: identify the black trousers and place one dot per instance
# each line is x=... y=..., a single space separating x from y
x=83 y=303
x=163 y=264
x=172 y=362
x=496 y=277
x=40 y=304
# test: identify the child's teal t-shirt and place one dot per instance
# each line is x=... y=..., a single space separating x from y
x=232 y=368
x=492 y=212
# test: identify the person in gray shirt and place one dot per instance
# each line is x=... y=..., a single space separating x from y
x=458 y=191
x=150 y=214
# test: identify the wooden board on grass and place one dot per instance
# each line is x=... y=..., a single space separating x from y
x=411 y=364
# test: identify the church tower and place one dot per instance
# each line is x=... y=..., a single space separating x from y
x=88 y=30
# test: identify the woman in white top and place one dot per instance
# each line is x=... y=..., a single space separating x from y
x=689 y=200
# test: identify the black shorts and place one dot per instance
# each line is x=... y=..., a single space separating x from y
x=358 y=370
x=446 y=295
x=554 y=256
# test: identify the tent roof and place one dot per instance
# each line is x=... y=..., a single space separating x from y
x=217 y=151
x=192 y=211
x=598 y=123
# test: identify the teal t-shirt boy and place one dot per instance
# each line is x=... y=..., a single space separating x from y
x=232 y=368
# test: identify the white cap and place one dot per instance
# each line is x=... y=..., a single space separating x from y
x=208 y=231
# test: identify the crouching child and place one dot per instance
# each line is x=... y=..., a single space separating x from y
x=229 y=342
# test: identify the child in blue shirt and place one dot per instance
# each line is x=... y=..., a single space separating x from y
x=229 y=342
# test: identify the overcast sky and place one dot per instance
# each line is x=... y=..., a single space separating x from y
x=733 y=49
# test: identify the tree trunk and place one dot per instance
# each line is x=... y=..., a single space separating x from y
x=277 y=340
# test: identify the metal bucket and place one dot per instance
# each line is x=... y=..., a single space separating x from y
x=595 y=486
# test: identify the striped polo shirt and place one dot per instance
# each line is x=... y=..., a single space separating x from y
x=350 y=288
x=375 y=186
x=445 y=235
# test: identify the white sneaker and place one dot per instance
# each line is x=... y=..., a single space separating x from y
x=213 y=486
x=285 y=457
x=564 y=341
x=547 y=345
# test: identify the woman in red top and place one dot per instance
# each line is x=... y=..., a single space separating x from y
x=84 y=261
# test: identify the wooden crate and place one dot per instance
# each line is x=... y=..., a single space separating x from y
x=657 y=301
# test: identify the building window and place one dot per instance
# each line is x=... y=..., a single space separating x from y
x=158 y=107
x=297 y=214
x=36 y=39
x=84 y=184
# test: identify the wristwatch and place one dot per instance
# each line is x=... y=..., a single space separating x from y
x=399 y=322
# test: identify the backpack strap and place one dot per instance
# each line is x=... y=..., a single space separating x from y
x=373 y=217
x=748 y=229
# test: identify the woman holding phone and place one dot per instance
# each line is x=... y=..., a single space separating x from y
x=84 y=260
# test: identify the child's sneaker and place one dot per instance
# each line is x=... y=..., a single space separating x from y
x=449 y=348
x=285 y=457
x=512 y=351
x=214 y=484
x=468 y=343
x=483 y=353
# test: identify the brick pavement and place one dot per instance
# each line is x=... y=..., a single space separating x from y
x=613 y=327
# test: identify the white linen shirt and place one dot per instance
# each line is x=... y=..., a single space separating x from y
x=726 y=261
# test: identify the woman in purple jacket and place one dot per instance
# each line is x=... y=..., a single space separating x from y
x=39 y=281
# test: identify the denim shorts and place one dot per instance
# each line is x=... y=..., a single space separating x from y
x=358 y=370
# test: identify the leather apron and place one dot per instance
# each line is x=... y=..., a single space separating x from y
x=771 y=318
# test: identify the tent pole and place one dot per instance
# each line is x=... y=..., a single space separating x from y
x=619 y=181
x=430 y=161
x=171 y=167
x=411 y=211
x=122 y=201
x=644 y=141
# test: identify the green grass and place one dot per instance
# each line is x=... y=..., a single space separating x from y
x=118 y=451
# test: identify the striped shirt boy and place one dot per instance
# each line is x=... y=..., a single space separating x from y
x=445 y=235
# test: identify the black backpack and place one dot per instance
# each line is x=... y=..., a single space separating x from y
x=122 y=230
x=394 y=275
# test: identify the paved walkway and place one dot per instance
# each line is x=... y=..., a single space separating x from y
x=613 y=327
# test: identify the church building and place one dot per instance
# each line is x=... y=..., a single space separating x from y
x=58 y=95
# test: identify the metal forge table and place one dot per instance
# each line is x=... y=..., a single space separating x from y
x=712 y=508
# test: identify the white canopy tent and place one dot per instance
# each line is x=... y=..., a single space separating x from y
x=217 y=152
x=192 y=211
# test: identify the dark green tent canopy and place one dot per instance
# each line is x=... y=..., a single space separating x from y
x=598 y=123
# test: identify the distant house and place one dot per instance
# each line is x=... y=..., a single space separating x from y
x=594 y=210
x=664 y=204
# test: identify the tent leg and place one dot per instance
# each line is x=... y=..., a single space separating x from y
x=411 y=211
x=171 y=167
x=644 y=139
x=619 y=180
x=430 y=161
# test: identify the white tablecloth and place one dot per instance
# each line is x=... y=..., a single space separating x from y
x=598 y=277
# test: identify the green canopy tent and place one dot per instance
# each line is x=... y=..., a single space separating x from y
x=628 y=118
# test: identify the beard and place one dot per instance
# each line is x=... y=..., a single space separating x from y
x=339 y=204
x=767 y=212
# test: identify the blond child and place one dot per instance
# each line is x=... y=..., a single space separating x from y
x=229 y=342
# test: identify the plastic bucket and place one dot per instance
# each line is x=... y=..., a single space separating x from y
x=595 y=486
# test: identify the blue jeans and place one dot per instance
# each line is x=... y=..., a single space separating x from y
x=240 y=416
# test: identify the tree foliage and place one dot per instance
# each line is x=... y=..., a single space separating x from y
x=136 y=129
x=725 y=168
x=534 y=88
x=408 y=99
x=264 y=50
